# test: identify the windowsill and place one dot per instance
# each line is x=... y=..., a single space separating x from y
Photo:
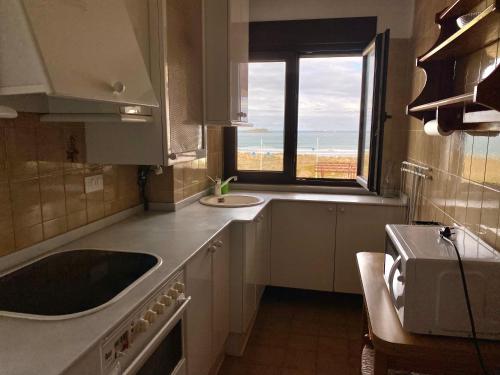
x=353 y=190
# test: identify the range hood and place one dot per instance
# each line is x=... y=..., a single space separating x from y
x=82 y=50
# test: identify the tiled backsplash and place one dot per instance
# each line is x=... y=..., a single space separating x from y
x=466 y=166
x=42 y=172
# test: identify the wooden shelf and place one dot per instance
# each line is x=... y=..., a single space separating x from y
x=481 y=31
x=458 y=8
x=455 y=101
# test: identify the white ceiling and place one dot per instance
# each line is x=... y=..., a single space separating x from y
x=394 y=14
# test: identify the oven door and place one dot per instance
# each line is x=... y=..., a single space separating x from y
x=164 y=354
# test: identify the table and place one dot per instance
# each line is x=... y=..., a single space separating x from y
x=398 y=349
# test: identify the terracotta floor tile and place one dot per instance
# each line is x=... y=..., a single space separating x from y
x=302 y=342
x=264 y=355
x=302 y=333
x=269 y=338
x=300 y=360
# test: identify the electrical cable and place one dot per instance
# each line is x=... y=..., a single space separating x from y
x=445 y=235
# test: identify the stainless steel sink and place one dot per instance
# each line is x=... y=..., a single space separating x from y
x=71 y=282
x=231 y=200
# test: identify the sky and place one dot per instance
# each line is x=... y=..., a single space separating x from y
x=329 y=94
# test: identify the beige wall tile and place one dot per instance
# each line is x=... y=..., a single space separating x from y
x=50 y=148
x=54 y=227
x=490 y=213
x=28 y=236
x=478 y=164
x=474 y=205
x=52 y=197
x=26 y=205
x=95 y=206
x=492 y=175
x=74 y=187
x=76 y=219
x=21 y=153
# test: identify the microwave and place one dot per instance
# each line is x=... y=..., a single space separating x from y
x=422 y=274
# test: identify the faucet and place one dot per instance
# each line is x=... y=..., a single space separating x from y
x=219 y=184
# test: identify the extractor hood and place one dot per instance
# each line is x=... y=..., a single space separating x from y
x=81 y=50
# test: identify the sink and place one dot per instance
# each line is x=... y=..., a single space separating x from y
x=71 y=282
x=231 y=201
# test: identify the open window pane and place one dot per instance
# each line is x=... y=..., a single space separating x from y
x=261 y=148
x=328 y=120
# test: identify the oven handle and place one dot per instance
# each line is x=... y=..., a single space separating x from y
x=156 y=340
x=390 y=280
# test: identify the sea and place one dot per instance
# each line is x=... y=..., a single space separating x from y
x=326 y=143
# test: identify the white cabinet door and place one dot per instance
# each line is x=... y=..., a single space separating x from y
x=238 y=59
x=90 y=51
x=226 y=62
x=302 y=245
x=250 y=274
x=199 y=314
x=359 y=228
x=263 y=242
x=220 y=272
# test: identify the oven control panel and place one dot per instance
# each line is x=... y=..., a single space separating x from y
x=119 y=348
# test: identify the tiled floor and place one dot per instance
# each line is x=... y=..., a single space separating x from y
x=302 y=333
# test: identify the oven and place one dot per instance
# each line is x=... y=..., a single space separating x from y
x=152 y=340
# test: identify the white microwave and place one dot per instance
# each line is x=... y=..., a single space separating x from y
x=423 y=276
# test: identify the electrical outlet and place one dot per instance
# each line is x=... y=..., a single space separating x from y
x=94 y=183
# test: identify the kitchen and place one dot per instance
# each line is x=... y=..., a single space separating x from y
x=121 y=123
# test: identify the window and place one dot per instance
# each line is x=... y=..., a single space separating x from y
x=328 y=116
x=316 y=106
x=261 y=148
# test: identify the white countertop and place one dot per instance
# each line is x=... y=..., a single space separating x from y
x=50 y=347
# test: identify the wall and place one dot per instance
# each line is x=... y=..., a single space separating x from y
x=394 y=14
x=42 y=191
x=466 y=166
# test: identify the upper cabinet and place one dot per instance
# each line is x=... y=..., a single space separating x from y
x=172 y=38
x=84 y=50
x=226 y=62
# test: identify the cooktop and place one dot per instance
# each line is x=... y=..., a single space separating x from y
x=71 y=282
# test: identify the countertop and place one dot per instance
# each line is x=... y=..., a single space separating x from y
x=34 y=346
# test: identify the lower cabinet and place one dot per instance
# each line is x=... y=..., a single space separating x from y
x=359 y=228
x=302 y=245
x=207 y=282
x=249 y=276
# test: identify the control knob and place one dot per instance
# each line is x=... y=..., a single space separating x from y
x=173 y=293
x=141 y=326
x=166 y=300
x=150 y=316
x=179 y=287
x=159 y=308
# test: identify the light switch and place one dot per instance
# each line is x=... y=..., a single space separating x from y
x=94 y=183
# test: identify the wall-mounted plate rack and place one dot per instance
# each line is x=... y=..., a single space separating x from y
x=438 y=100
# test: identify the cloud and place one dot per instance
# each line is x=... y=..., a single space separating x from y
x=329 y=98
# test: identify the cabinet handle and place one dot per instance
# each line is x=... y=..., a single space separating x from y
x=218 y=243
x=212 y=249
x=119 y=88
x=172 y=156
x=330 y=209
x=342 y=210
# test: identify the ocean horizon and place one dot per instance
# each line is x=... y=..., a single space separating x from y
x=323 y=143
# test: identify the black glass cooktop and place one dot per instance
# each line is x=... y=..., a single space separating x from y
x=71 y=282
